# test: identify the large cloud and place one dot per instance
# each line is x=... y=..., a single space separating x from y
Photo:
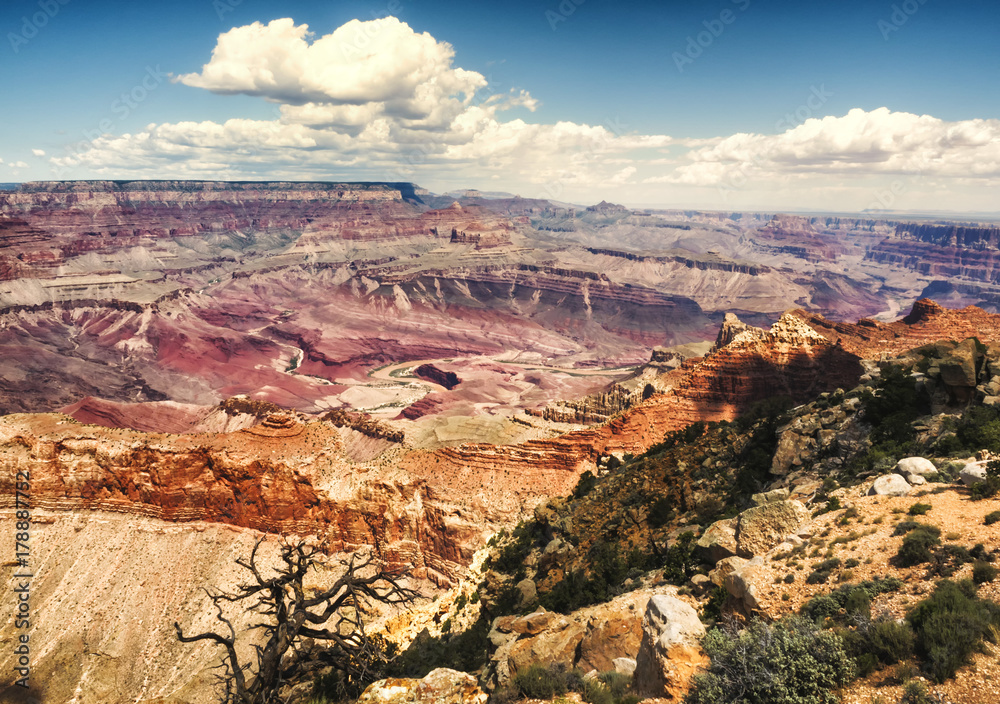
x=361 y=70
x=879 y=142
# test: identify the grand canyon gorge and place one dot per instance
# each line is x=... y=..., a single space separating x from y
x=189 y=365
x=505 y=353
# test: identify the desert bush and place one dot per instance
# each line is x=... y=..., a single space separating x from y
x=608 y=688
x=916 y=692
x=983 y=572
x=791 y=661
x=917 y=544
x=821 y=571
x=990 y=486
x=950 y=625
x=542 y=681
x=919 y=509
x=823 y=606
x=948 y=559
x=992 y=517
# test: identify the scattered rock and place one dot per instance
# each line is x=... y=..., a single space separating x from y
x=440 y=686
x=724 y=568
x=973 y=472
x=740 y=586
x=670 y=652
x=760 y=528
x=915 y=465
x=528 y=591
x=625 y=666
x=890 y=485
x=719 y=541
x=769 y=497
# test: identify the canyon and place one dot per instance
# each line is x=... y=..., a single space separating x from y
x=195 y=364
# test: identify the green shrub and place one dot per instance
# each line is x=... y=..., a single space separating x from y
x=890 y=641
x=950 y=625
x=791 y=661
x=916 y=692
x=992 y=517
x=948 y=559
x=825 y=606
x=904 y=527
x=821 y=571
x=919 y=509
x=541 y=681
x=917 y=544
x=983 y=572
x=990 y=486
x=585 y=485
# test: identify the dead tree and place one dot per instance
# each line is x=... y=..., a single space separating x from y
x=287 y=615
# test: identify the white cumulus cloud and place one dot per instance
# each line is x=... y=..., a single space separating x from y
x=877 y=142
x=38 y=152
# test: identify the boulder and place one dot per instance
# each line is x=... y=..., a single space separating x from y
x=958 y=369
x=890 y=485
x=440 y=686
x=718 y=542
x=915 y=465
x=760 y=528
x=528 y=592
x=915 y=480
x=625 y=666
x=670 y=652
x=533 y=623
x=557 y=644
x=724 y=568
x=611 y=634
x=973 y=472
x=769 y=496
x=740 y=584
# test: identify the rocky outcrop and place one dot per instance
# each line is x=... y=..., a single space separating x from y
x=591 y=638
x=273 y=477
x=448 y=380
x=718 y=541
x=670 y=652
x=760 y=528
x=440 y=686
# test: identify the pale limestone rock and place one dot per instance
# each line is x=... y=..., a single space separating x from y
x=890 y=485
x=760 y=528
x=440 y=686
x=915 y=465
x=719 y=541
x=670 y=652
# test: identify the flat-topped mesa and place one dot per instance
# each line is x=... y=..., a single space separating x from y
x=215 y=190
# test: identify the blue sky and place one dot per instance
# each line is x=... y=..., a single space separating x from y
x=722 y=104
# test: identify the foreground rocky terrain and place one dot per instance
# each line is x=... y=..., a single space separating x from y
x=354 y=482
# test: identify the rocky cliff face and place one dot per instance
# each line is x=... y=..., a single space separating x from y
x=79 y=217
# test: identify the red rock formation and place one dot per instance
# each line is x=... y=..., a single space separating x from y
x=448 y=380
